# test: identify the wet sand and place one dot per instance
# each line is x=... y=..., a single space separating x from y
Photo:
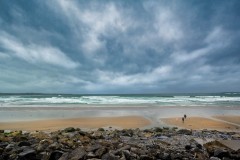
x=87 y=123
x=200 y=123
x=232 y=119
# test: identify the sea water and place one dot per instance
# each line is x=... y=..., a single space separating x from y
x=184 y=99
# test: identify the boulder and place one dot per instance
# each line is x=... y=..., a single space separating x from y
x=55 y=155
x=184 y=131
x=69 y=129
x=109 y=156
x=27 y=154
x=78 y=153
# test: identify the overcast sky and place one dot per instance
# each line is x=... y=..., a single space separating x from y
x=70 y=46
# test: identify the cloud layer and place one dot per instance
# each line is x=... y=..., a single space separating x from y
x=119 y=47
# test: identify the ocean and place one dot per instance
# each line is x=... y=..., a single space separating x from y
x=184 y=99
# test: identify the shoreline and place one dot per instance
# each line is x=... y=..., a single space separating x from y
x=220 y=123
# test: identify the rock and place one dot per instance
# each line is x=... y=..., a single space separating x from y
x=78 y=153
x=91 y=155
x=54 y=146
x=199 y=146
x=232 y=144
x=1 y=131
x=93 y=148
x=27 y=154
x=100 y=152
x=55 y=155
x=214 y=158
x=69 y=129
x=145 y=157
x=9 y=147
x=158 y=129
x=126 y=154
x=220 y=153
x=3 y=144
x=64 y=156
x=43 y=144
x=24 y=143
x=166 y=156
x=188 y=147
x=101 y=129
x=184 y=131
x=109 y=156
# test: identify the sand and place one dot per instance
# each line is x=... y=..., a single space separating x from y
x=88 y=123
x=232 y=119
x=199 y=123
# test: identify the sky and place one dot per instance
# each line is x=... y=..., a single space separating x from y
x=164 y=46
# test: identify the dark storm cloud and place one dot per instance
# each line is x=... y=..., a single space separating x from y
x=119 y=47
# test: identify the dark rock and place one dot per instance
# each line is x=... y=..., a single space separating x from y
x=220 y=153
x=145 y=157
x=188 y=147
x=199 y=146
x=166 y=156
x=27 y=154
x=1 y=131
x=214 y=158
x=100 y=152
x=93 y=148
x=78 y=153
x=3 y=144
x=54 y=146
x=91 y=155
x=101 y=129
x=64 y=156
x=158 y=129
x=55 y=155
x=24 y=143
x=184 y=131
x=126 y=154
x=82 y=133
x=9 y=147
x=69 y=129
x=109 y=156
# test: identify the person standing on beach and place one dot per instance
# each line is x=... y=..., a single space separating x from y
x=185 y=116
x=183 y=119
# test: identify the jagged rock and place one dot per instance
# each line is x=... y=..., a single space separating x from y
x=109 y=156
x=93 y=148
x=220 y=153
x=78 y=153
x=55 y=155
x=27 y=154
x=3 y=144
x=100 y=152
x=9 y=147
x=55 y=146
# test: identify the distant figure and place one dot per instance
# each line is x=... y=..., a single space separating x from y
x=185 y=116
x=182 y=119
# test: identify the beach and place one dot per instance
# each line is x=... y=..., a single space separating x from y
x=136 y=131
x=83 y=123
x=118 y=116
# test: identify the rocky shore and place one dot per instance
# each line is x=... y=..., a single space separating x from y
x=111 y=144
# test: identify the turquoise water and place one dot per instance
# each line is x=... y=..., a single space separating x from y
x=210 y=99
